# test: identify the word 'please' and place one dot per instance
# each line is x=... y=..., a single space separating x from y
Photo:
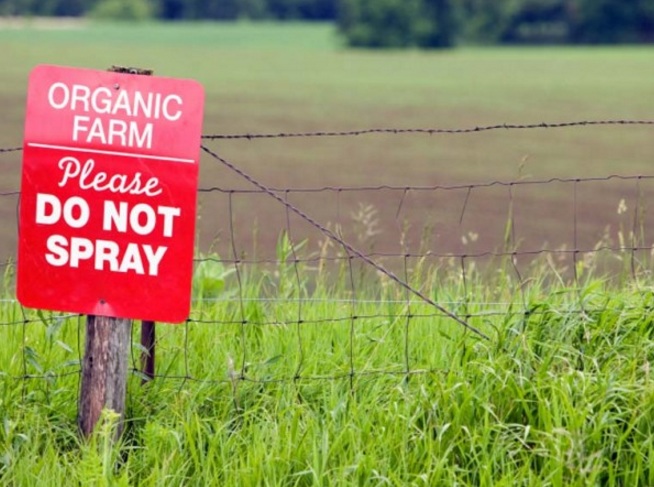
x=86 y=178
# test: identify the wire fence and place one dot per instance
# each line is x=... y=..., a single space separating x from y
x=330 y=304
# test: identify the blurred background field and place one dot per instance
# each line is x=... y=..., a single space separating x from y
x=298 y=77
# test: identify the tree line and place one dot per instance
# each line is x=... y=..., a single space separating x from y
x=444 y=23
x=176 y=9
x=396 y=23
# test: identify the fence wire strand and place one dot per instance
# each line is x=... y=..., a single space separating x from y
x=429 y=131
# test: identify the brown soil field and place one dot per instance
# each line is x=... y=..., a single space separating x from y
x=387 y=193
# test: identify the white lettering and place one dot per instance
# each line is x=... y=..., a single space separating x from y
x=114 y=218
x=102 y=105
x=140 y=139
x=65 y=97
x=80 y=249
x=80 y=94
x=83 y=212
x=117 y=216
x=168 y=212
x=112 y=132
x=135 y=219
x=122 y=104
x=80 y=124
x=118 y=128
x=103 y=100
x=172 y=117
x=118 y=183
x=141 y=106
x=97 y=132
x=104 y=255
x=45 y=202
x=154 y=258
x=132 y=260
x=59 y=255
x=106 y=251
x=49 y=210
x=71 y=168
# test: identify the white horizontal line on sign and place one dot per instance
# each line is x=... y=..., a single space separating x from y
x=110 y=152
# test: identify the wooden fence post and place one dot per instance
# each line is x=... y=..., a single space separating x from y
x=104 y=370
x=106 y=356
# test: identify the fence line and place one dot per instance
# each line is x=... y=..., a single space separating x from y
x=429 y=131
x=426 y=255
x=524 y=314
x=409 y=188
x=416 y=131
x=416 y=309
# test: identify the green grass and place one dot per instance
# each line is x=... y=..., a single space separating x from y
x=560 y=395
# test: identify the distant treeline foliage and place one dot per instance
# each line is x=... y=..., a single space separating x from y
x=396 y=23
x=176 y=9
x=444 y=23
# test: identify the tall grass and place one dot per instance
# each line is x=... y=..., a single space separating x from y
x=290 y=376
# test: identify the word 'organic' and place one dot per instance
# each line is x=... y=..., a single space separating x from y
x=120 y=105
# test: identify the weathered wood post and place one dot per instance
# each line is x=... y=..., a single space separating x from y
x=104 y=370
x=106 y=356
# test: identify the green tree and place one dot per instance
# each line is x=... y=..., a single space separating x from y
x=254 y=9
x=377 y=23
x=302 y=9
x=559 y=21
x=212 y=9
x=485 y=21
x=610 y=21
x=122 y=10
x=397 y=23
x=172 y=9
x=70 y=8
x=538 y=21
x=437 y=25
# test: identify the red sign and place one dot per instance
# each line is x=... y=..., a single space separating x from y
x=108 y=193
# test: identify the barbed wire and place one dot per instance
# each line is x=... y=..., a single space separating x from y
x=435 y=187
x=418 y=131
x=436 y=255
x=429 y=131
x=418 y=188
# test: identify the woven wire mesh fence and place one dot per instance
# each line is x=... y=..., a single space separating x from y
x=378 y=288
